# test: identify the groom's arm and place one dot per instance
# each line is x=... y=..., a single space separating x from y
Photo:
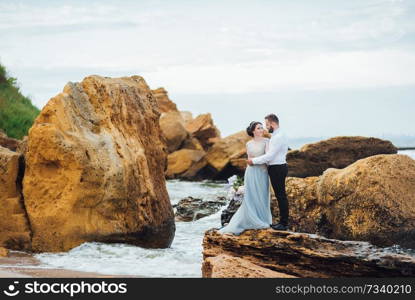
x=274 y=147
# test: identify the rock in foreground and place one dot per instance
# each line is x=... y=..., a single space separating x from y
x=95 y=168
x=226 y=266
x=305 y=255
x=371 y=200
x=14 y=226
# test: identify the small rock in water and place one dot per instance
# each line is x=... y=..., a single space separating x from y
x=227 y=213
x=191 y=209
x=234 y=204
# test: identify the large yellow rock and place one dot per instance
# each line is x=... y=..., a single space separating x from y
x=338 y=152
x=163 y=100
x=203 y=128
x=227 y=266
x=95 y=167
x=298 y=254
x=225 y=151
x=187 y=116
x=372 y=200
x=14 y=226
x=172 y=127
x=185 y=163
x=4 y=252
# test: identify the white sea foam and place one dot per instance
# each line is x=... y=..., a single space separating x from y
x=410 y=153
x=182 y=259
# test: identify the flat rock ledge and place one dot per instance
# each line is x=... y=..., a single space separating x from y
x=305 y=255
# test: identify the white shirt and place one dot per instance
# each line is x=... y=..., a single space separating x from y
x=277 y=150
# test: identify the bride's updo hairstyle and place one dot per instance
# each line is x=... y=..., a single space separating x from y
x=250 y=129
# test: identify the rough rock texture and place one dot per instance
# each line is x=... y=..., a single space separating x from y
x=226 y=266
x=4 y=252
x=185 y=164
x=191 y=209
x=305 y=214
x=22 y=147
x=204 y=130
x=8 y=142
x=14 y=227
x=305 y=255
x=222 y=153
x=163 y=101
x=95 y=168
x=192 y=143
x=230 y=210
x=187 y=116
x=338 y=152
x=370 y=200
x=172 y=126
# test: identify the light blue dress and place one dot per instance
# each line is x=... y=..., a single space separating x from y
x=255 y=211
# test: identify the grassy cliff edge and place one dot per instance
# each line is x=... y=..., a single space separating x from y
x=17 y=112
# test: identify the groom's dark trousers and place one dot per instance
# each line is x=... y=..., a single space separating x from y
x=277 y=174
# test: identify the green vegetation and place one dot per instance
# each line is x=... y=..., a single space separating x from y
x=17 y=112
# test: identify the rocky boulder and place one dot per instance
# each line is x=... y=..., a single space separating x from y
x=14 y=226
x=234 y=204
x=185 y=164
x=192 y=143
x=226 y=266
x=192 y=209
x=174 y=132
x=8 y=142
x=187 y=116
x=163 y=101
x=95 y=166
x=4 y=252
x=22 y=147
x=371 y=200
x=221 y=154
x=338 y=152
x=204 y=130
x=305 y=255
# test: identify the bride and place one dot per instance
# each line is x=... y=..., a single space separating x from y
x=255 y=211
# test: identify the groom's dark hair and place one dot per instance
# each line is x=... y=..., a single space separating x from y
x=272 y=118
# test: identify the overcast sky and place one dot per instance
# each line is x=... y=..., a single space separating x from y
x=325 y=68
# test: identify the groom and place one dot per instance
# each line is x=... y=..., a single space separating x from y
x=277 y=167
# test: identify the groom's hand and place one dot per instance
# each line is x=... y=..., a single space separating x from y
x=249 y=162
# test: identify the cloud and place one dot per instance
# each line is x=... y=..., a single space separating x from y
x=339 y=70
x=219 y=47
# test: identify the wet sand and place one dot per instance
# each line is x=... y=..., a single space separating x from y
x=20 y=265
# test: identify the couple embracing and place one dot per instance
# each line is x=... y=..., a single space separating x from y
x=266 y=163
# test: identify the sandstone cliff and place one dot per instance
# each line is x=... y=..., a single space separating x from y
x=338 y=152
x=372 y=200
x=14 y=225
x=94 y=167
x=301 y=255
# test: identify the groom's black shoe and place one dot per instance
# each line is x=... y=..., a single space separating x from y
x=279 y=226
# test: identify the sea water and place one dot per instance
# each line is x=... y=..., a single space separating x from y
x=410 y=153
x=182 y=259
